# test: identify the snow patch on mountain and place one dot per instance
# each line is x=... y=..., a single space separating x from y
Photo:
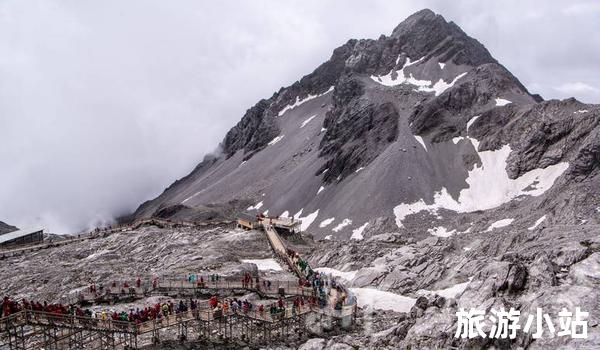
x=348 y=276
x=401 y=77
x=537 y=223
x=423 y=85
x=442 y=65
x=256 y=206
x=307 y=121
x=488 y=186
x=307 y=220
x=381 y=300
x=320 y=189
x=357 y=233
x=420 y=140
x=451 y=292
x=275 y=140
x=264 y=264
x=440 y=86
x=499 y=224
x=441 y=231
x=299 y=101
x=341 y=225
x=502 y=102
x=326 y=222
x=471 y=121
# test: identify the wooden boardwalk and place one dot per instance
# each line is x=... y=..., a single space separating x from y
x=28 y=329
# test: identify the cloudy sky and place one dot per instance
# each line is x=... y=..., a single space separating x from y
x=105 y=103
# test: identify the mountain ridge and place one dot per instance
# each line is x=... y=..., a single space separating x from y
x=400 y=104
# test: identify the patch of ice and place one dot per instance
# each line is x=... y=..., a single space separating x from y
x=341 y=225
x=441 y=231
x=307 y=220
x=450 y=292
x=442 y=65
x=299 y=213
x=537 y=223
x=299 y=101
x=456 y=140
x=381 y=300
x=466 y=249
x=440 y=86
x=357 y=233
x=242 y=163
x=256 y=206
x=264 y=264
x=323 y=129
x=488 y=186
x=320 y=189
x=347 y=276
x=581 y=111
x=471 y=121
x=328 y=237
x=502 y=102
x=401 y=77
x=307 y=121
x=190 y=197
x=359 y=169
x=275 y=140
x=423 y=85
x=326 y=222
x=499 y=224
x=420 y=140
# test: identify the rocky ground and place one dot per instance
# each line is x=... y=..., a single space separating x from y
x=150 y=251
x=552 y=268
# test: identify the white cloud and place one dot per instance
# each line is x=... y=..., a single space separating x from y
x=577 y=88
x=104 y=104
x=583 y=8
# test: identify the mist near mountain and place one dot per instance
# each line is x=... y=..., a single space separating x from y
x=102 y=105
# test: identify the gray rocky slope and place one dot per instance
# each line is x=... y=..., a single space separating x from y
x=443 y=169
x=387 y=123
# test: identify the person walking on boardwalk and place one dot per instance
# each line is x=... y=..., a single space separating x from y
x=225 y=307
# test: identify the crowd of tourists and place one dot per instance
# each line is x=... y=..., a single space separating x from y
x=162 y=310
x=322 y=286
x=157 y=311
x=274 y=309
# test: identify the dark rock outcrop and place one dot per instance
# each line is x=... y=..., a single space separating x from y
x=6 y=228
x=357 y=130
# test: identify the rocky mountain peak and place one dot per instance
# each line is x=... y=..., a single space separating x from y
x=426 y=32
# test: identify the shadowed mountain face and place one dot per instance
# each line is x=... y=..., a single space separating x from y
x=421 y=132
x=6 y=228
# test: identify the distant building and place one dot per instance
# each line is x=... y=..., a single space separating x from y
x=247 y=221
x=20 y=237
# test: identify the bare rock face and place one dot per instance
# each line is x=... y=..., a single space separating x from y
x=357 y=130
x=6 y=228
x=253 y=132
